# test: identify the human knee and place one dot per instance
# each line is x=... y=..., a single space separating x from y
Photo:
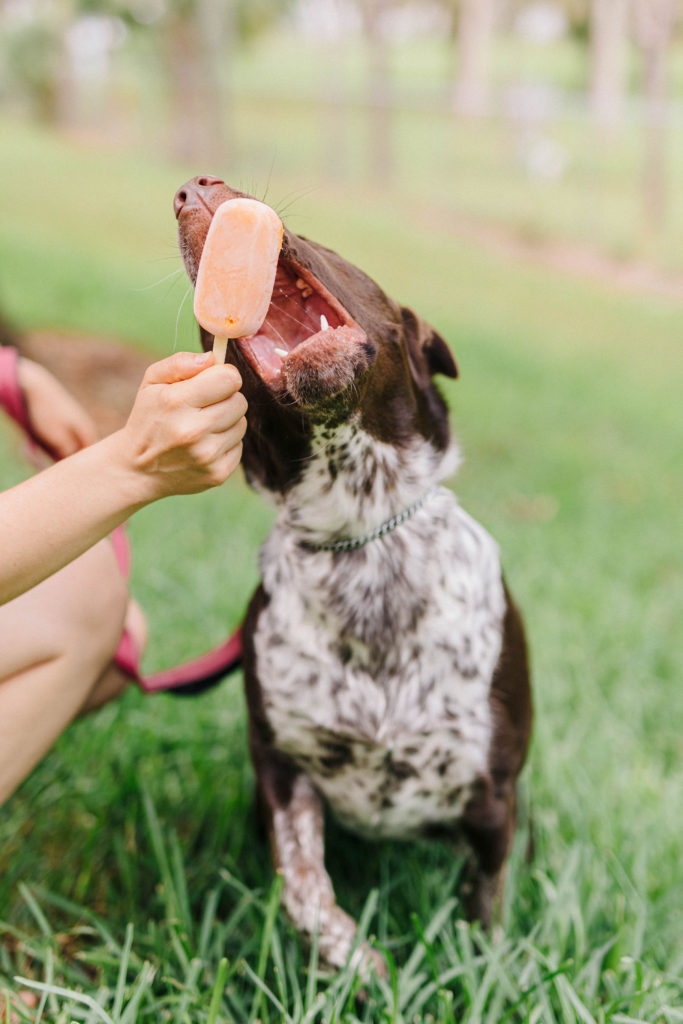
x=83 y=609
x=99 y=607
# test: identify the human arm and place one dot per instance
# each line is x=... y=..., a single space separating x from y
x=58 y=421
x=33 y=397
x=183 y=436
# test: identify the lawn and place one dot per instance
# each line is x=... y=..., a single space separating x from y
x=135 y=884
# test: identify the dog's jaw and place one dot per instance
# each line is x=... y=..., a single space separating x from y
x=309 y=348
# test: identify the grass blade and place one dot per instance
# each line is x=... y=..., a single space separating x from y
x=217 y=993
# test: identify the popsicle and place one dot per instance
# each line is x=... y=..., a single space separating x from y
x=237 y=271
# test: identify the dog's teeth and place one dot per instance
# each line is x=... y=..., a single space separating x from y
x=281 y=352
x=305 y=289
x=323 y=322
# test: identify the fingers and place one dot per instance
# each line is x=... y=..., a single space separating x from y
x=57 y=419
x=231 y=436
x=185 y=430
x=80 y=434
x=225 y=465
x=184 y=366
x=219 y=439
x=215 y=384
x=222 y=416
x=179 y=366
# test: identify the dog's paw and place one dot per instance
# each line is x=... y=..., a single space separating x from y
x=336 y=943
x=370 y=962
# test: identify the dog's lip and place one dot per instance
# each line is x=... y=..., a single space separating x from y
x=284 y=330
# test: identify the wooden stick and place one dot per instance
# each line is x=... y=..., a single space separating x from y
x=220 y=348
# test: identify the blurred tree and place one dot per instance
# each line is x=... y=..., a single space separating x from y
x=194 y=41
x=608 y=38
x=200 y=38
x=380 y=100
x=475 y=25
x=197 y=51
x=654 y=24
x=35 y=58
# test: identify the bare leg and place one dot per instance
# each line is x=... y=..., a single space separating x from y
x=56 y=646
x=114 y=681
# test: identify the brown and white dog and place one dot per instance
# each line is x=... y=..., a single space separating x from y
x=385 y=662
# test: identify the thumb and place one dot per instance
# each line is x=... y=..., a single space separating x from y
x=179 y=366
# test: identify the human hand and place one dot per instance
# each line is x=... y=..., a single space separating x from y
x=57 y=419
x=185 y=430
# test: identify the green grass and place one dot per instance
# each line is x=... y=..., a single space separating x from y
x=135 y=883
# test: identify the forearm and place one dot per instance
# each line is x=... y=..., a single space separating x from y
x=52 y=518
x=183 y=435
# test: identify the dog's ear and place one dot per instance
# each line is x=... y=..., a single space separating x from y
x=426 y=349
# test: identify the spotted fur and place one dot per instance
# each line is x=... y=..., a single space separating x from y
x=376 y=664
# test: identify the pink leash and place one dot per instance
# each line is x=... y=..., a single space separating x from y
x=188 y=679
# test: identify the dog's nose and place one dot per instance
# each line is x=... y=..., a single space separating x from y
x=196 y=192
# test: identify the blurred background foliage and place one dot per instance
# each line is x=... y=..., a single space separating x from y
x=554 y=118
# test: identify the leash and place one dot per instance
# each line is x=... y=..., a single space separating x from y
x=191 y=677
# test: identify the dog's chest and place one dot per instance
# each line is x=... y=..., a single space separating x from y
x=375 y=666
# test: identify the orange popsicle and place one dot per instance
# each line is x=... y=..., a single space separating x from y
x=237 y=271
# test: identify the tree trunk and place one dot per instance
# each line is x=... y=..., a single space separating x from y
x=334 y=131
x=654 y=24
x=196 y=42
x=217 y=33
x=473 y=53
x=607 y=61
x=379 y=95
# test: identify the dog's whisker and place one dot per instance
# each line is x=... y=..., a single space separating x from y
x=268 y=179
x=296 y=195
x=155 y=284
x=177 y=319
x=280 y=336
x=292 y=317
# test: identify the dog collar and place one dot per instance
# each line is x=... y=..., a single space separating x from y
x=352 y=543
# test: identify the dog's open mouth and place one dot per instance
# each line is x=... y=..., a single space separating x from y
x=302 y=312
x=303 y=317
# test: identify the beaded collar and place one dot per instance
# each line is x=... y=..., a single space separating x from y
x=352 y=543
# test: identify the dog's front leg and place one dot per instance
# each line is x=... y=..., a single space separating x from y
x=296 y=827
x=489 y=825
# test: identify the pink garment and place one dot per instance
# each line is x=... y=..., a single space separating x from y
x=11 y=397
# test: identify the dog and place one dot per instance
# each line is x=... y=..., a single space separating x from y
x=385 y=661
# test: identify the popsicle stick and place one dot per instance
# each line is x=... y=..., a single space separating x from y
x=220 y=347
